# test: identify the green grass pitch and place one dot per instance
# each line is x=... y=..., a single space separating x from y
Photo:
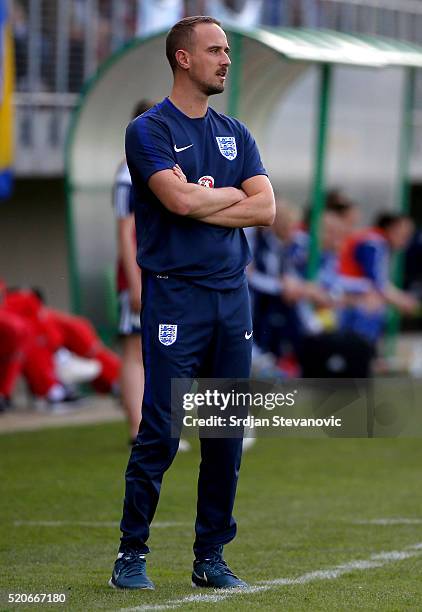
x=298 y=508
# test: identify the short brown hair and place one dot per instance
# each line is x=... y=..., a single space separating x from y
x=384 y=220
x=180 y=36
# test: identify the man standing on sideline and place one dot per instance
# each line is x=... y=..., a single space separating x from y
x=129 y=295
x=196 y=318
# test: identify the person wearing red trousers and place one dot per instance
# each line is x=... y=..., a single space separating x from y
x=26 y=348
x=78 y=336
x=14 y=342
x=47 y=330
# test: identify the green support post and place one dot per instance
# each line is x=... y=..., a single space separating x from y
x=406 y=141
x=318 y=189
x=72 y=251
x=74 y=284
x=403 y=193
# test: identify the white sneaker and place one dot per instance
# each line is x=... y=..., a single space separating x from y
x=184 y=446
x=72 y=369
x=58 y=400
x=249 y=439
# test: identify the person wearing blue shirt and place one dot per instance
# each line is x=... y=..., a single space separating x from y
x=197 y=179
x=365 y=268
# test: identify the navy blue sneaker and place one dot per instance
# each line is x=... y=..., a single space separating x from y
x=214 y=573
x=129 y=572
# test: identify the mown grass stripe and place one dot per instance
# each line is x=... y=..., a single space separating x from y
x=375 y=561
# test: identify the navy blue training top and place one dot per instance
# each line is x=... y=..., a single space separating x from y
x=214 y=151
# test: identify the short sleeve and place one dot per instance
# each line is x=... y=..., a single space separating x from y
x=121 y=200
x=252 y=164
x=373 y=258
x=148 y=147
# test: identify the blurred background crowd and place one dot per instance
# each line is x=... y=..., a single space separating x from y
x=60 y=43
x=332 y=317
x=332 y=322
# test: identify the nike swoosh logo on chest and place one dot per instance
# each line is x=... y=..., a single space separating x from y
x=179 y=150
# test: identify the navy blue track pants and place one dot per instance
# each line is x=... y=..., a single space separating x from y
x=210 y=343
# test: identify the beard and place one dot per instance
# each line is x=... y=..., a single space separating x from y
x=210 y=89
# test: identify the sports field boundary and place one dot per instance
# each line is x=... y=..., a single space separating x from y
x=96 y=524
x=376 y=560
x=90 y=411
x=387 y=522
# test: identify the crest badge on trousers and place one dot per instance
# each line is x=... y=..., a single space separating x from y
x=167 y=334
x=227 y=146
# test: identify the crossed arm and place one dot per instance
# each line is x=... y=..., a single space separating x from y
x=258 y=208
x=226 y=206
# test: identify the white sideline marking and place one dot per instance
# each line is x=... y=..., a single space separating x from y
x=374 y=561
x=114 y=524
x=390 y=521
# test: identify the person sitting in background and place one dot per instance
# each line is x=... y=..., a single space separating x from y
x=365 y=267
x=412 y=265
x=341 y=216
x=264 y=277
x=278 y=288
x=334 y=229
x=25 y=350
x=14 y=341
x=78 y=335
x=325 y=351
x=43 y=332
x=314 y=309
x=348 y=211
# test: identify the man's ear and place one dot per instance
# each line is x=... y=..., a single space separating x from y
x=183 y=59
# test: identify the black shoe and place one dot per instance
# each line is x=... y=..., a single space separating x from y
x=129 y=572
x=5 y=403
x=214 y=573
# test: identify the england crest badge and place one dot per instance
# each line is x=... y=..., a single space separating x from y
x=227 y=146
x=167 y=334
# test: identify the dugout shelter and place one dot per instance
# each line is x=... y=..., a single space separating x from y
x=268 y=64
